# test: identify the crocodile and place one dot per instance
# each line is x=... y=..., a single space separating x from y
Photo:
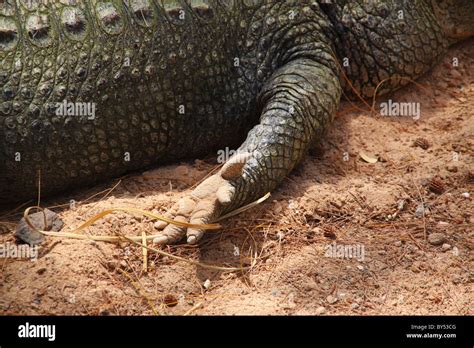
x=90 y=90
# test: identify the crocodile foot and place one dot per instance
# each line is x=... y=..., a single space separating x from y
x=204 y=204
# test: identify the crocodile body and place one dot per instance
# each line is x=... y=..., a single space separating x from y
x=177 y=79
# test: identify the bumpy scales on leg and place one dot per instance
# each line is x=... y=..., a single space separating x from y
x=299 y=99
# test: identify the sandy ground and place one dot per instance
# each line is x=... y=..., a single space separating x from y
x=333 y=199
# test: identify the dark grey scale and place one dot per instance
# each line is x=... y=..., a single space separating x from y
x=5 y=108
x=109 y=18
x=96 y=66
x=83 y=58
x=74 y=22
x=8 y=34
x=49 y=109
x=11 y=137
x=8 y=93
x=377 y=40
x=81 y=73
x=60 y=91
x=150 y=70
x=10 y=122
x=62 y=72
x=102 y=82
x=39 y=30
x=34 y=111
x=35 y=73
x=88 y=89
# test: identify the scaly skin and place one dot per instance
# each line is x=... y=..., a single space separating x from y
x=176 y=79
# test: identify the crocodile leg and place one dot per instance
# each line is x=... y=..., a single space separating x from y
x=297 y=103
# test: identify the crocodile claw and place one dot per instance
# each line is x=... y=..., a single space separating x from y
x=203 y=205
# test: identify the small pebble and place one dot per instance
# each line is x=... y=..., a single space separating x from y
x=170 y=301
x=398 y=243
x=292 y=205
x=420 y=210
x=466 y=194
x=30 y=236
x=331 y=299
x=159 y=225
x=436 y=238
x=320 y=310
x=455 y=251
x=207 y=284
x=401 y=204
x=355 y=305
x=446 y=247
x=452 y=168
